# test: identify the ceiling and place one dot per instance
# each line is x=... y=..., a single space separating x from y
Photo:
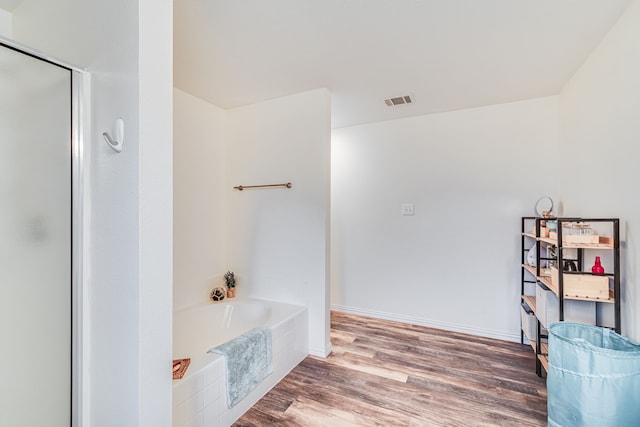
x=447 y=54
x=9 y=5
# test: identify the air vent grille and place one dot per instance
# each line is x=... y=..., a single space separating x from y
x=398 y=100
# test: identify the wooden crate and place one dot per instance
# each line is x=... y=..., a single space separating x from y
x=548 y=309
x=582 y=285
x=577 y=239
x=581 y=239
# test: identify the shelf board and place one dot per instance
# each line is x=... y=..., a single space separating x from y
x=544 y=355
x=546 y=280
x=529 y=268
x=544 y=360
x=533 y=236
x=531 y=302
x=548 y=240
x=533 y=345
x=611 y=298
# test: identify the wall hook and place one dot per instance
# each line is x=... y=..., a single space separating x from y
x=117 y=140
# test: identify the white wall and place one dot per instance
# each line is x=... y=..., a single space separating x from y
x=471 y=174
x=599 y=137
x=6 y=23
x=278 y=238
x=127 y=48
x=200 y=207
x=155 y=174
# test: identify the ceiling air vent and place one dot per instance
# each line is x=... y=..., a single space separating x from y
x=399 y=100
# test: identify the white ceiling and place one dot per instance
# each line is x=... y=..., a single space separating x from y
x=448 y=54
x=9 y=5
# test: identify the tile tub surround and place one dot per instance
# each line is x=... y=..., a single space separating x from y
x=199 y=399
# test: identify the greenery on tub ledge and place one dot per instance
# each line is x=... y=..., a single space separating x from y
x=230 y=279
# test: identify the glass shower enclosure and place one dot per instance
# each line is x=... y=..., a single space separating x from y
x=36 y=240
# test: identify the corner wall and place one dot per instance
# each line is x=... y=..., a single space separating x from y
x=277 y=239
x=599 y=147
x=199 y=203
x=471 y=174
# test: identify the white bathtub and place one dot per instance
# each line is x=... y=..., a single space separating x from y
x=199 y=398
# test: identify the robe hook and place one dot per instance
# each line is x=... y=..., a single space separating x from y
x=117 y=140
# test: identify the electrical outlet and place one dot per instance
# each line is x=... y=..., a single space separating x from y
x=408 y=209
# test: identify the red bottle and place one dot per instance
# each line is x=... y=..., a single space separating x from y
x=597 y=267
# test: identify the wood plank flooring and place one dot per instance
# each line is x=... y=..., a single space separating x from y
x=384 y=373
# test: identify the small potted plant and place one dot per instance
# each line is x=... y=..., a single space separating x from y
x=230 y=281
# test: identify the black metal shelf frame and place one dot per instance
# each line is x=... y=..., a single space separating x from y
x=560 y=258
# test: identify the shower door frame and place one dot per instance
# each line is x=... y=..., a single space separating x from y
x=79 y=97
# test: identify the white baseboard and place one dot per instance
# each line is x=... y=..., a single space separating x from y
x=320 y=352
x=427 y=322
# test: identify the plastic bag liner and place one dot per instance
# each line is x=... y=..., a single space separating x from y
x=593 y=378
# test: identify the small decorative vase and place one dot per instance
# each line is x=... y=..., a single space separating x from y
x=231 y=292
x=217 y=294
x=597 y=267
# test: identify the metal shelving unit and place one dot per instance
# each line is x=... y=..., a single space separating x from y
x=530 y=276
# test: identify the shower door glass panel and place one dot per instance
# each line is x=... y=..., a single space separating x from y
x=35 y=241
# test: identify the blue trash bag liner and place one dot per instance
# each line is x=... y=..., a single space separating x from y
x=593 y=378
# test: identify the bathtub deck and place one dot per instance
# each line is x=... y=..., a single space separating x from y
x=392 y=374
x=199 y=399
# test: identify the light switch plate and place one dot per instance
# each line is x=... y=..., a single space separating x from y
x=408 y=209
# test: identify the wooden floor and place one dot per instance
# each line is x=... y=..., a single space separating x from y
x=385 y=373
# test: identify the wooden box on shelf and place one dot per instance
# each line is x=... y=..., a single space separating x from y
x=582 y=285
x=583 y=239
x=580 y=239
x=548 y=309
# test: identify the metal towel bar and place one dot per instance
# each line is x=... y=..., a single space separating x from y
x=242 y=187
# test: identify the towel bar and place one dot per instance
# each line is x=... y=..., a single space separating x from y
x=242 y=187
